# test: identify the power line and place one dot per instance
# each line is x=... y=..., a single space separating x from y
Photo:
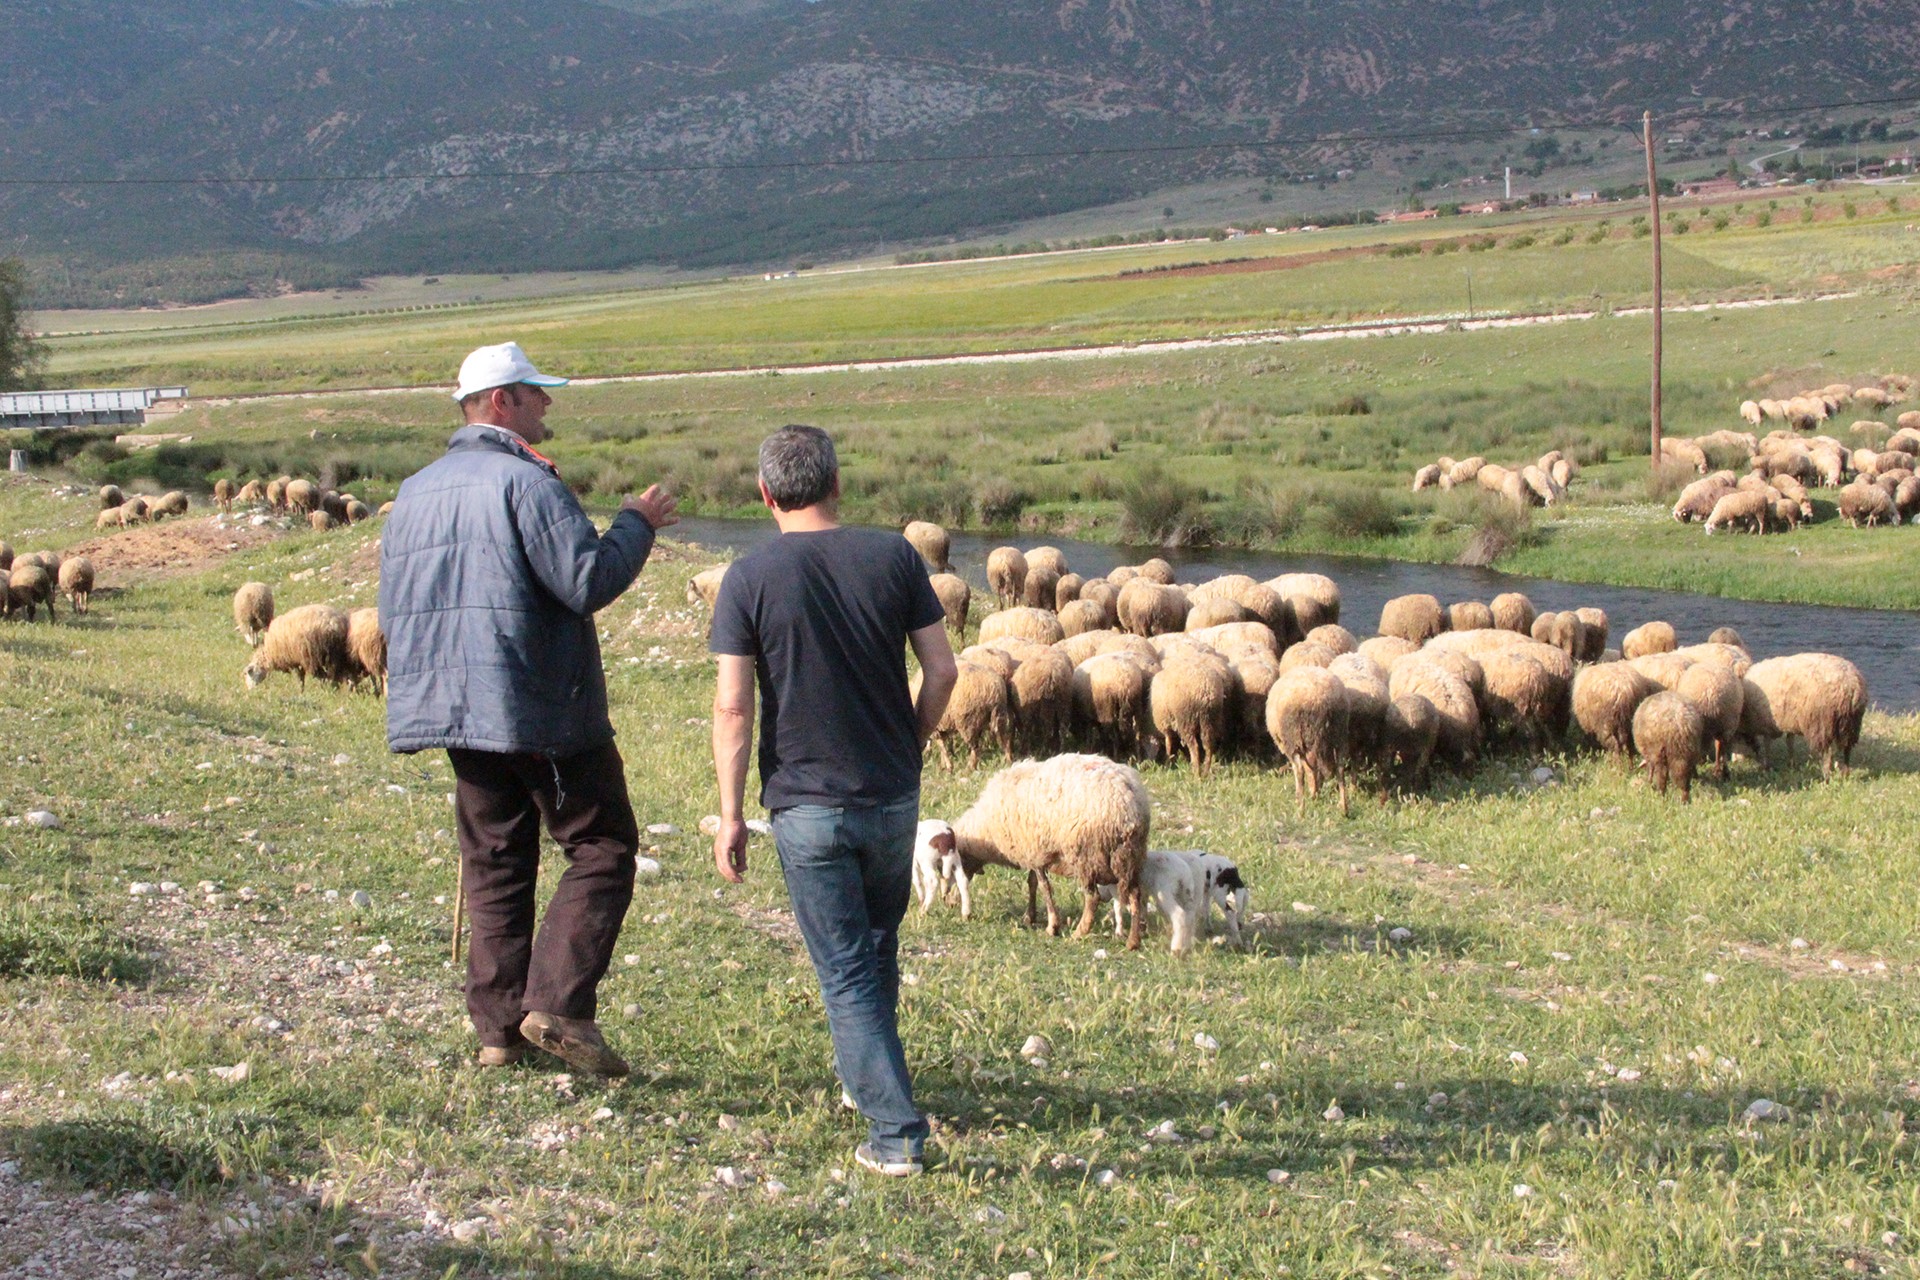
x=871 y=162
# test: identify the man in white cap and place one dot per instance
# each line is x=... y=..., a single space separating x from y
x=490 y=574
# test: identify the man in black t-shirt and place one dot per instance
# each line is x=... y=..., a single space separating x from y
x=820 y=619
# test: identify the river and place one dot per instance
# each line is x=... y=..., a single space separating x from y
x=1883 y=643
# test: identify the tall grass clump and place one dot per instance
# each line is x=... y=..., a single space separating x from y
x=1358 y=511
x=1495 y=526
x=49 y=941
x=1160 y=509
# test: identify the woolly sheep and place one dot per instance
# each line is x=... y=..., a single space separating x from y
x=6 y=557
x=1041 y=689
x=253 y=611
x=1067 y=590
x=1121 y=575
x=938 y=869
x=1236 y=640
x=385 y=508
x=76 y=579
x=276 y=494
x=1191 y=702
x=111 y=496
x=1307 y=712
x=1416 y=618
x=1312 y=599
x=1427 y=477
x=301 y=497
x=1605 y=696
x=1157 y=570
x=309 y=641
x=1512 y=611
x=1593 y=639
x=1667 y=734
x=1213 y=611
x=1726 y=636
x=1103 y=593
x=1468 y=615
x=223 y=493
x=1864 y=502
x=1171 y=880
x=112 y=519
x=1148 y=608
x=358 y=511
x=1750 y=412
x=1664 y=669
x=1333 y=637
x=1696 y=501
x=321 y=521
x=1082 y=645
x=980 y=708
x=955 y=599
x=1110 y=693
x=137 y=510
x=931 y=541
x=1304 y=654
x=1408 y=734
x=334 y=505
x=1740 y=507
x=171 y=503
x=1819 y=697
x=249 y=494
x=29 y=585
x=1452 y=698
x=1042 y=626
x=1685 y=452
x=1138 y=648
x=1522 y=698
x=1366 y=686
x=1039 y=589
x=1465 y=471
x=1543 y=488
x=1253 y=676
x=1384 y=651
x=367 y=648
x=1007 y=574
x=1649 y=637
x=1075 y=815
x=704 y=586
x=1716 y=694
x=1492 y=477
x=1080 y=616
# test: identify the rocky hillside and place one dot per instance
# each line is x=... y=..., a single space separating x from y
x=701 y=105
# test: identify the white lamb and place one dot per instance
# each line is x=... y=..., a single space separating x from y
x=1223 y=887
x=1171 y=881
x=937 y=868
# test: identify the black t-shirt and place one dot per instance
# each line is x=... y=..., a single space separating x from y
x=825 y=617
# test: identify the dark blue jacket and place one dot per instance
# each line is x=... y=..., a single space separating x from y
x=490 y=574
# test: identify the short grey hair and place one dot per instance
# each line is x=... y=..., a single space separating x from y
x=798 y=466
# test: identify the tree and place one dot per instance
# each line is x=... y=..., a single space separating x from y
x=21 y=353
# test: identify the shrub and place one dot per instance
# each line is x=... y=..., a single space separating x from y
x=1763 y=219
x=1355 y=511
x=1525 y=241
x=999 y=501
x=1347 y=406
x=1596 y=235
x=1480 y=244
x=1408 y=250
x=1163 y=510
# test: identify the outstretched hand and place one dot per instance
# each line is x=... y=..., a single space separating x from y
x=656 y=506
x=730 y=851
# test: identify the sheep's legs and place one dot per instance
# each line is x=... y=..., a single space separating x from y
x=1133 y=893
x=1054 y=919
x=966 y=899
x=1090 y=910
x=1033 y=881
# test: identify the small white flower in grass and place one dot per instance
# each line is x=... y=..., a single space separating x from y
x=1205 y=1043
x=1333 y=1112
x=343 y=758
x=1020 y=1275
x=1521 y=1191
x=169 y=887
x=1838 y=966
x=1099 y=953
x=465 y=1232
x=1517 y=1058
x=1435 y=1101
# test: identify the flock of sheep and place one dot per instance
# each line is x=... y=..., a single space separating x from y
x=317 y=640
x=323 y=507
x=1540 y=483
x=33 y=580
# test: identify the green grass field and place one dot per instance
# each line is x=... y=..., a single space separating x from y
x=1548 y=1078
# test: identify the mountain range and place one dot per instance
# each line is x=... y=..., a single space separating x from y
x=750 y=131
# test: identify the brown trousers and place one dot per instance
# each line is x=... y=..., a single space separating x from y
x=500 y=802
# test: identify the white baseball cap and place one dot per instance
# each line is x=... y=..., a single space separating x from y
x=500 y=366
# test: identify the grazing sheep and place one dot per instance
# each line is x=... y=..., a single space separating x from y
x=1468 y=615
x=1236 y=640
x=335 y=505
x=1148 y=608
x=385 y=508
x=1052 y=559
x=1111 y=701
x=112 y=519
x=1007 y=574
x=6 y=557
x=367 y=649
x=1750 y=413
x=938 y=869
x=1697 y=500
x=1138 y=648
x=1075 y=815
x=310 y=641
x=1078 y=617
x=1306 y=655
x=1865 y=502
x=358 y=511
x=1492 y=477
x=1312 y=600
x=1452 y=697
x=1307 y=712
x=1605 y=696
x=1716 y=694
x=1819 y=697
x=223 y=492
x=1427 y=477
x=932 y=542
x=1593 y=639
x=253 y=611
x=302 y=497
x=1649 y=637
x=1522 y=698
x=1684 y=451
x=29 y=585
x=1103 y=593
x=1332 y=637
x=1042 y=692
x=956 y=597
x=1191 y=702
x=111 y=496
x=1513 y=611
x=1740 y=507
x=1158 y=571
x=171 y=503
x=276 y=494
x=1367 y=700
x=1171 y=880
x=997 y=655
x=1564 y=631
x=321 y=520
x=1415 y=618
x=1213 y=611
x=1384 y=651
x=1253 y=677
x=704 y=586
x=1725 y=656
x=1408 y=735
x=1726 y=636
x=1464 y=471
x=1040 y=589
x=1667 y=733
x=981 y=707
x=250 y=493
x=136 y=510
x=1543 y=489
x=76 y=579
x=1042 y=626
x=1664 y=669
x=1120 y=575
x=1067 y=590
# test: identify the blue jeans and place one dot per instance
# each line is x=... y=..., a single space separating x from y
x=849 y=873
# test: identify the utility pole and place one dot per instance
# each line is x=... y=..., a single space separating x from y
x=1653 y=212
x=1469 y=297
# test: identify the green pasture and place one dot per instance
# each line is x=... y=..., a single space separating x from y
x=1549 y=1077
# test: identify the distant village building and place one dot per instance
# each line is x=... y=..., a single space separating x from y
x=1484 y=206
x=44 y=409
x=1710 y=187
x=1585 y=197
x=1410 y=215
